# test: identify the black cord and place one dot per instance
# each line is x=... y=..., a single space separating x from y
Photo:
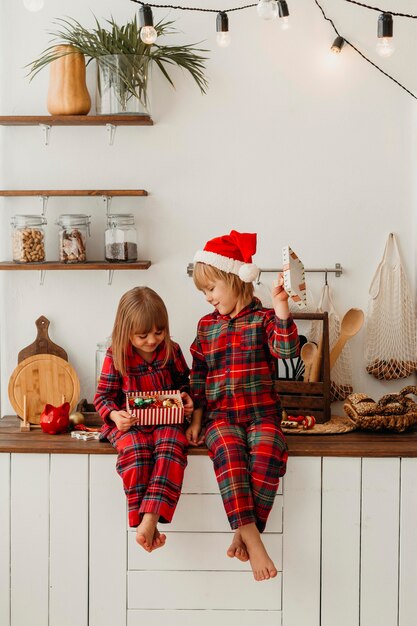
x=367 y=6
x=171 y=6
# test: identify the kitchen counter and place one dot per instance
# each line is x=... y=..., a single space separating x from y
x=353 y=444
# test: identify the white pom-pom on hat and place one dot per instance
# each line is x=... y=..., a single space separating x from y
x=248 y=272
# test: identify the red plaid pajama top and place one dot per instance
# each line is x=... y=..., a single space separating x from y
x=234 y=365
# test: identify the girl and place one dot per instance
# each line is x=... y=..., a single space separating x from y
x=232 y=382
x=151 y=459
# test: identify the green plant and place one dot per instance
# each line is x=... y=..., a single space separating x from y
x=100 y=42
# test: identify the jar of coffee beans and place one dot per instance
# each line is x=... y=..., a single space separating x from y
x=28 y=238
x=73 y=237
x=120 y=238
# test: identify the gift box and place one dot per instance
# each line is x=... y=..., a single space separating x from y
x=155 y=407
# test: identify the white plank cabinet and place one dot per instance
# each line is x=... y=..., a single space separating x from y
x=342 y=533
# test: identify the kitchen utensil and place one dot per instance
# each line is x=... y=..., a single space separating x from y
x=42 y=343
x=351 y=324
x=294 y=277
x=308 y=354
x=39 y=380
x=316 y=364
x=297 y=364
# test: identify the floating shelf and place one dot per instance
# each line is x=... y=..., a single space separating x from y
x=89 y=265
x=73 y=192
x=76 y=120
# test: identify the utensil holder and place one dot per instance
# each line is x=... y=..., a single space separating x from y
x=305 y=398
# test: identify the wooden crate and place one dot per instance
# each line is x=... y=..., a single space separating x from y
x=302 y=398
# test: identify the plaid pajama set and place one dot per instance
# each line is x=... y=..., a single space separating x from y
x=232 y=379
x=151 y=459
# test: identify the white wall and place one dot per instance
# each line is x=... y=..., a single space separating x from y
x=292 y=142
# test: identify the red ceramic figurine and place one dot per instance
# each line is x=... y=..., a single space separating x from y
x=55 y=419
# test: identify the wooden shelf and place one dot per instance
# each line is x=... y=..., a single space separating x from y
x=76 y=120
x=73 y=192
x=89 y=265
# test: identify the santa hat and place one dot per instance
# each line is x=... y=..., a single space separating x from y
x=232 y=254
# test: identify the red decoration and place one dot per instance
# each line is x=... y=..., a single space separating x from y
x=55 y=419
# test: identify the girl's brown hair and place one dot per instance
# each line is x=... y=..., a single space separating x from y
x=139 y=311
x=203 y=274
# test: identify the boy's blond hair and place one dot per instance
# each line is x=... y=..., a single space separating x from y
x=139 y=311
x=203 y=274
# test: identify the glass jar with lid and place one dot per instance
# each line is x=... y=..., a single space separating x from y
x=73 y=237
x=120 y=238
x=28 y=238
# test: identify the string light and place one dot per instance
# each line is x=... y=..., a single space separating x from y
x=282 y=9
x=284 y=14
x=384 y=46
x=148 y=33
x=222 y=27
x=337 y=45
x=267 y=9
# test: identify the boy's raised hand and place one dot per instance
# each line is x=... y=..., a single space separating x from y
x=280 y=298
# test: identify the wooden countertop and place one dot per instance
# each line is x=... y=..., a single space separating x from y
x=353 y=444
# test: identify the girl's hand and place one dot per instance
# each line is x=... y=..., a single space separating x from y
x=123 y=420
x=280 y=299
x=188 y=404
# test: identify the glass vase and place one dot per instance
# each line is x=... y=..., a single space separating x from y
x=123 y=85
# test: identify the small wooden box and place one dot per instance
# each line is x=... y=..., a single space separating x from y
x=156 y=416
x=302 y=398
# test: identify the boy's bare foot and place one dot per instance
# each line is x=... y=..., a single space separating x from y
x=237 y=548
x=147 y=534
x=262 y=565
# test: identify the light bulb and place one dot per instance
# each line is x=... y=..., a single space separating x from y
x=33 y=5
x=385 y=47
x=148 y=34
x=267 y=9
x=223 y=39
x=337 y=45
x=285 y=23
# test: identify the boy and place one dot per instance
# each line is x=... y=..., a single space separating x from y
x=232 y=381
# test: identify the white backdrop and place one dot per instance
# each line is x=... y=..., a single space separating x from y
x=301 y=146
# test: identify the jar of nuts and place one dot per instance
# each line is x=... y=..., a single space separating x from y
x=72 y=237
x=28 y=238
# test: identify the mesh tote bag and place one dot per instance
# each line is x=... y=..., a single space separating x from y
x=390 y=344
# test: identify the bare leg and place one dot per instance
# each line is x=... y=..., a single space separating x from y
x=237 y=548
x=147 y=535
x=261 y=563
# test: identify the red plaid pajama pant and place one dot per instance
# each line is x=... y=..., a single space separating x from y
x=248 y=460
x=151 y=463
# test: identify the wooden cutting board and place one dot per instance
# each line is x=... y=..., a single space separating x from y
x=42 y=378
x=42 y=343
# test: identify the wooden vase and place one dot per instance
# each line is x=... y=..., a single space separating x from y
x=67 y=92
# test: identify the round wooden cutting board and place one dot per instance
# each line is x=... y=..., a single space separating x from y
x=44 y=379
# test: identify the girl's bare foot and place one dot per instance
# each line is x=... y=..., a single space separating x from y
x=145 y=532
x=237 y=548
x=262 y=565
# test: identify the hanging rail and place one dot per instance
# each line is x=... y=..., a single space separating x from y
x=337 y=270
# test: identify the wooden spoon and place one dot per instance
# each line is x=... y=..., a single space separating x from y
x=351 y=324
x=308 y=354
x=316 y=365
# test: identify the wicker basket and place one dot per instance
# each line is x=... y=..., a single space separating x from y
x=394 y=411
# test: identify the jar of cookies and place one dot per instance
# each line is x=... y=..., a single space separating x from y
x=28 y=238
x=120 y=238
x=73 y=237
